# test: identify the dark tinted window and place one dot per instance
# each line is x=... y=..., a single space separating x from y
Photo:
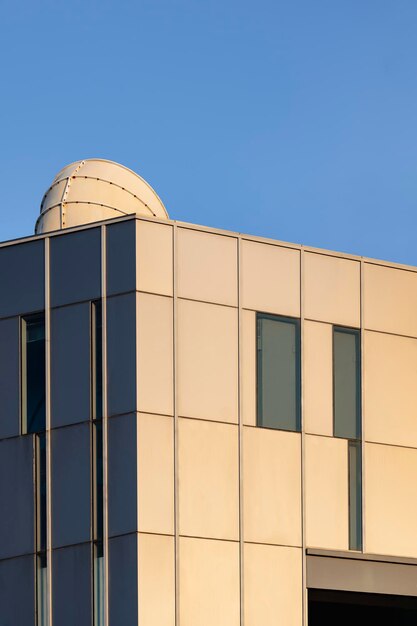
x=278 y=372
x=355 y=496
x=346 y=383
x=33 y=374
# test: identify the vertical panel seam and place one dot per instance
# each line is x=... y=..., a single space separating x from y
x=362 y=392
x=48 y=425
x=240 y=432
x=303 y=445
x=105 y=424
x=175 y=389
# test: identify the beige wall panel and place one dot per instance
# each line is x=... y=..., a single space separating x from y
x=332 y=289
x=248 y=365
x=272 y=486
x=207 y=361
x=154 y=258
x=273 y=590
x=318 y=378
x=208 y=582
x=390 y=378
x=326 y=488
x=156 y=580
x=208 y=479
x=156 y=473
x=270 y=278
x=390 y=300
x=207 y=267
x=155 y=354
x=390 y=503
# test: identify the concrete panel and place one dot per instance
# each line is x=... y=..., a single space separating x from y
x=326 y=485
x=156 y=580
x=121 y=257
x=156 y=473
x=270 y=278
x=71 y=488
x=332 y=289
x=17 y=517
x=271 y=486
x=209 y=582
x=318 y=378
x=208 y=479
x=22 y=278
x=71 y=584
x=9 y=377
x=155 y=354
x=122 y=475
x=248 y=365
x=121 y=354
x=273 y=589
x=390 y=300
x=123 y=580
x=75 y=267
x=17 y=592
x=207 y=361
x=390 y=507
x=70 y=365
x=390 y=389
x=207 y=267
x=154 y=256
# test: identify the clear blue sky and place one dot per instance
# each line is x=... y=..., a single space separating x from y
x=292 y=119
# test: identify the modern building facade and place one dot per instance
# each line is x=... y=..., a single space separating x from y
x=198 y=427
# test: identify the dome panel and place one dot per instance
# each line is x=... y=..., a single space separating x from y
x=94 y=190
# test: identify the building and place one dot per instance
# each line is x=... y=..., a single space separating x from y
x=198 y=427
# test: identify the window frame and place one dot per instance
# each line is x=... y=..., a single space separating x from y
x=356 y=332
x=24 y=319
x=296 y=322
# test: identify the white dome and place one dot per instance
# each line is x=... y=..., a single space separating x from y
x=94 y=190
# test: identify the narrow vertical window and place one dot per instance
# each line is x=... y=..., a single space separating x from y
x=97 y=469
x=97 y=361
x=41 y=509
x=278 y=372
x=346 y=383
x=33 y=373
x=355 y=495
x=347 y=419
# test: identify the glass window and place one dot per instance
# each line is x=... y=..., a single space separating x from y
x=41 y=571
x=97 y=360
x=355 y=496
x=33 y=374
x=41 y=492
x=278 y=372
x=98 y=516
x=346 y=383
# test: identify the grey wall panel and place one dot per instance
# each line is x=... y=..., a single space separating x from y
x=361 y=574
x=121 y=257
x=17 y=592
x=9 y=378
x=122 y=475
x=71 y=485
x=70 y=364
x=71 y=584
x=121 y=354
x=22 y=278
x=75 y=270
x=16 y=497
x=123 y=581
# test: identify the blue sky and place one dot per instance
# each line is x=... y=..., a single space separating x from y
x=291 y=119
